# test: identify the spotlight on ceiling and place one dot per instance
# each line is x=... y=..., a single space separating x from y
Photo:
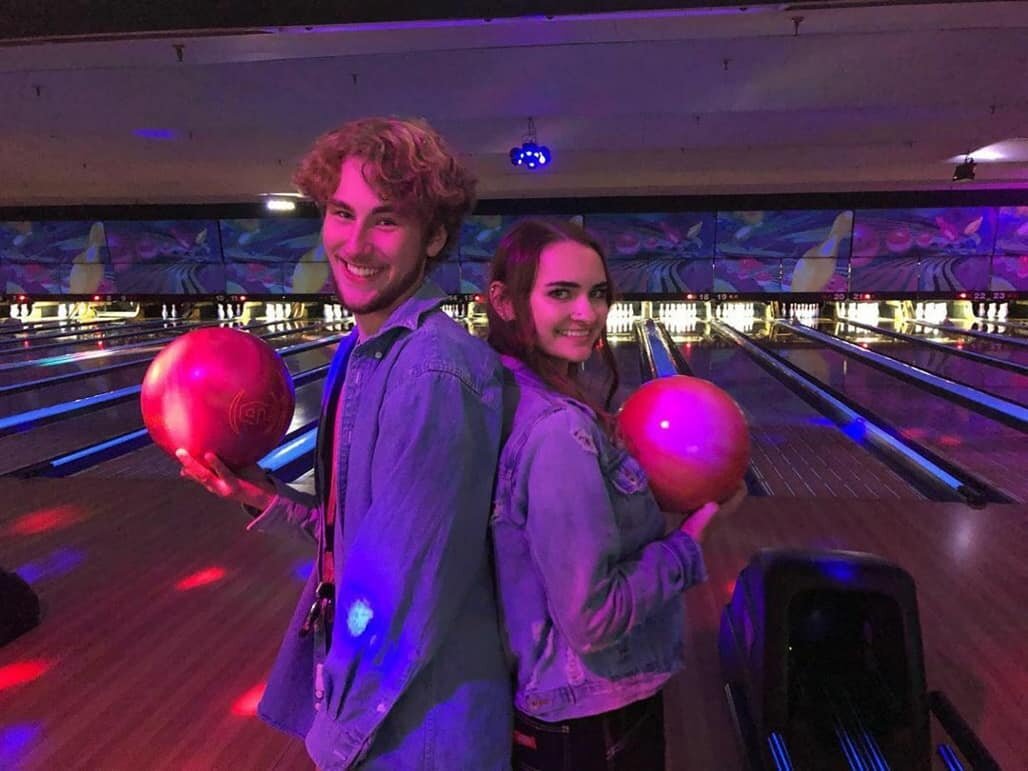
x=964 y=172
x=531 y=154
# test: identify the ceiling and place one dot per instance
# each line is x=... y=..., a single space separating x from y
x=786 y=98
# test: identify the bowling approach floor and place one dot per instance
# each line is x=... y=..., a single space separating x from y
x=162 y=615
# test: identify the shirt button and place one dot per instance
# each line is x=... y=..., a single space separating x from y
x=378 y=354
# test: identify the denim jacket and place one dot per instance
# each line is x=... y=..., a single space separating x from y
x=415 y=676
x=590 y=587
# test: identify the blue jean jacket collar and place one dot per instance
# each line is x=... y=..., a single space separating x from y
x=428 y=297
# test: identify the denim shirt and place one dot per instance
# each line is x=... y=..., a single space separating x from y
x=590 y=587
x=415 y=676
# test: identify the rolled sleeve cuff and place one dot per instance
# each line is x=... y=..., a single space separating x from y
x=334 y=746
x=290 y=512
x=689 y=556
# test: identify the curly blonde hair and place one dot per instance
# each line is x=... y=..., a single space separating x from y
x=406 y=163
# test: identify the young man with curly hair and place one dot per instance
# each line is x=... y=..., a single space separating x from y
x=393 y=657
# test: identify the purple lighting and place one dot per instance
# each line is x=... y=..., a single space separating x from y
x=155 y=133
x=841 y=570
x=303 y=569
x=15 y=740
x=57 y=563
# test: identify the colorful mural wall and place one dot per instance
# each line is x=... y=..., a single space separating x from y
x=913 y=250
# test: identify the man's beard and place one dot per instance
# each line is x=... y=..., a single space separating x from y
x=390 y=294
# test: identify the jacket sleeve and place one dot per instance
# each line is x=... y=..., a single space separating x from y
x=412 y=560
x=290 y=513
x=595 y=594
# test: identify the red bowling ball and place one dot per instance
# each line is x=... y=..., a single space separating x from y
x=690 y=438
x=218 y=390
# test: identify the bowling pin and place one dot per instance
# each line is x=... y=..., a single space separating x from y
x=87 y=269
x=311 y=272
x=814 y=269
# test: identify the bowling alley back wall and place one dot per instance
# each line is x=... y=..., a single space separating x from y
x=833 y=250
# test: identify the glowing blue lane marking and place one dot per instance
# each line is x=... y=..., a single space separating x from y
x=85 y=452
x=949 y=758
x=285 y=454
x=25 y=418
x=778 y=749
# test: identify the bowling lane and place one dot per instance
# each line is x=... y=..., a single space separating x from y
x=94 y=341
x=11 y=333
x=991 y=450
x=1001 y=328
x=95 y=356
x=87 y=385
x=997 y=348
x=74 y=432
x=796 y=450
x=58 y=333
x=999 y=382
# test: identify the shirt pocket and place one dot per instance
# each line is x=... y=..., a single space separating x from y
x=637 y=515
x=625 y=474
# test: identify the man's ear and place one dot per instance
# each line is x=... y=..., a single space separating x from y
x=436 y=242
x=499 y=298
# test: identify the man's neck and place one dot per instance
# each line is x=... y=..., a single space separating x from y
x=368 y=324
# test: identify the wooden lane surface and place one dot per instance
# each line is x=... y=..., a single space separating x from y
x=143 y=676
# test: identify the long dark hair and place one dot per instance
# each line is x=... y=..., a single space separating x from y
x=515 y=265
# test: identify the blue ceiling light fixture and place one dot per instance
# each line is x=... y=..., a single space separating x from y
x=531 y=154
x=163 y=134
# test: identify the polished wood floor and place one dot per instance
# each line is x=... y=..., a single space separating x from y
x=163 y=615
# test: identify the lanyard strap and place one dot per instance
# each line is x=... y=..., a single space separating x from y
x=326 y=570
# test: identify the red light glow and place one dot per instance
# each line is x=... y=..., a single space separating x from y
x=200 y=578
x=45 y=520
x=246 y=705
x=22 y=672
